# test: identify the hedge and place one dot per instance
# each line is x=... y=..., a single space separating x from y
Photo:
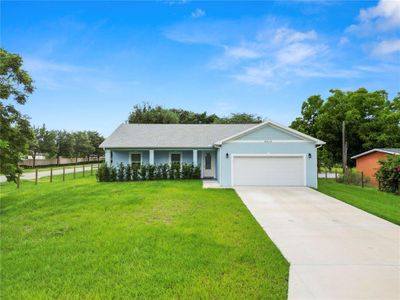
x=123 y=172
x=388 y=174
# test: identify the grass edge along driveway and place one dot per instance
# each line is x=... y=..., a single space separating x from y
x=380 y=204
x=166 y=239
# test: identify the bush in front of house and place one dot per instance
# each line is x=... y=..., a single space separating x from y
x=388 y=174
x=123 y=172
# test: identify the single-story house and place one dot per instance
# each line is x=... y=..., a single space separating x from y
x=265 y=154
x=368 y=162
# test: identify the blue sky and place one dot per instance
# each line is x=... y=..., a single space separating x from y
x=92 y=61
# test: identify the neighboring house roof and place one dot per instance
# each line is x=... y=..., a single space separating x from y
x=395 y=151
x=171 y=135
x=186 y=135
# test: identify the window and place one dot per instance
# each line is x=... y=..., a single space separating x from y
x=175 y=158
x=136 y=160
x=208 y=161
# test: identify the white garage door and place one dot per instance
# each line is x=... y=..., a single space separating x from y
x=268 y=170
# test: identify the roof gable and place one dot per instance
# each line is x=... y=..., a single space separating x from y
x=277 y=131
x=268 y=132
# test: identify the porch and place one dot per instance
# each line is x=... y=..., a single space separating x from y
x=206 y=159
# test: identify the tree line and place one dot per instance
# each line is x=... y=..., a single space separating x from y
x=146 y=113
x=17 y=137
x=371 y=119
x=60 y=143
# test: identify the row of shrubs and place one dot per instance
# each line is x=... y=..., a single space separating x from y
x=147 y=172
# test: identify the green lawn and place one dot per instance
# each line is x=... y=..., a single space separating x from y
x=168 y=239
x=384 y=205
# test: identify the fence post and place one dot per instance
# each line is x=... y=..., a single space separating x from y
x=326 y=174
x=74 y=171
x=362 y=179
x=379 y=185
x=83 y=170
x=336 y=175
x=91 y=169
x=63 y=173
x=18 y=181
x=36 y=176
x=51 y=174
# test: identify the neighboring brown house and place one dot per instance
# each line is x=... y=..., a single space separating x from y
x=368 y=162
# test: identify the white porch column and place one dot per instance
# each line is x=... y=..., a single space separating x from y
x=195 y=158
x=151 y=157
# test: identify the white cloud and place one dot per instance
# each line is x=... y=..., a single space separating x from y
x=383 y=17
x=198 y=13
x=297 y=53
x=241 y=52
x=387 y=47
x=344 y=40
x=39 y=65
x=287 y=36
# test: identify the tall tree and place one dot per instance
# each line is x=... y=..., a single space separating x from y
x=44 y=142
x=15 y=132
x=95 y=140
x=82 y=145
x=64 y=145
x=146 y=113
x=241 y=118
x=371 y=119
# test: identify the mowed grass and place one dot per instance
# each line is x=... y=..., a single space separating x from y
x=80 y=239
x=383 y=205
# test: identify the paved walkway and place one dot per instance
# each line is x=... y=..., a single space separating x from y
x=31 y=175
x=336 y=251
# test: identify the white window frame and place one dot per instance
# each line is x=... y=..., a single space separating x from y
x=136 y=152
x=170 y=154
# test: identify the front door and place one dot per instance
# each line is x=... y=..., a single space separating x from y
x=209 y=164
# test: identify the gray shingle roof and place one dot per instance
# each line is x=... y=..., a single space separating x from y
x=171 y=135
x=395 y=151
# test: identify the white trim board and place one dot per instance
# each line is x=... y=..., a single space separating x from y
x=266 y=141
x=304 y=156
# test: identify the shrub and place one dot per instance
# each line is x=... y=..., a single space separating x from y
x=121 y=172
x=158 y=172
x=135 y=173
x=143 y=172
x=151 y=169
x=102 y=173
x=147 y=172
x=175 y=171
x=165 y=171
x=128 y=173
x=389 y=174
x=196 y=172
x=113 y=174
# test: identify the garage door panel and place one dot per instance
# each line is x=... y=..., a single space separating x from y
x=269 y=171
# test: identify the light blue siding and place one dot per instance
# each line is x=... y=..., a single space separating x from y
x=269 y=148
x=160 y=156
x=268 y=133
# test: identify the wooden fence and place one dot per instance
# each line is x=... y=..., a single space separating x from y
x=84 y=170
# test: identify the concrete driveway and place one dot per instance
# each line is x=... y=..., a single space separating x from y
x=336 y=251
